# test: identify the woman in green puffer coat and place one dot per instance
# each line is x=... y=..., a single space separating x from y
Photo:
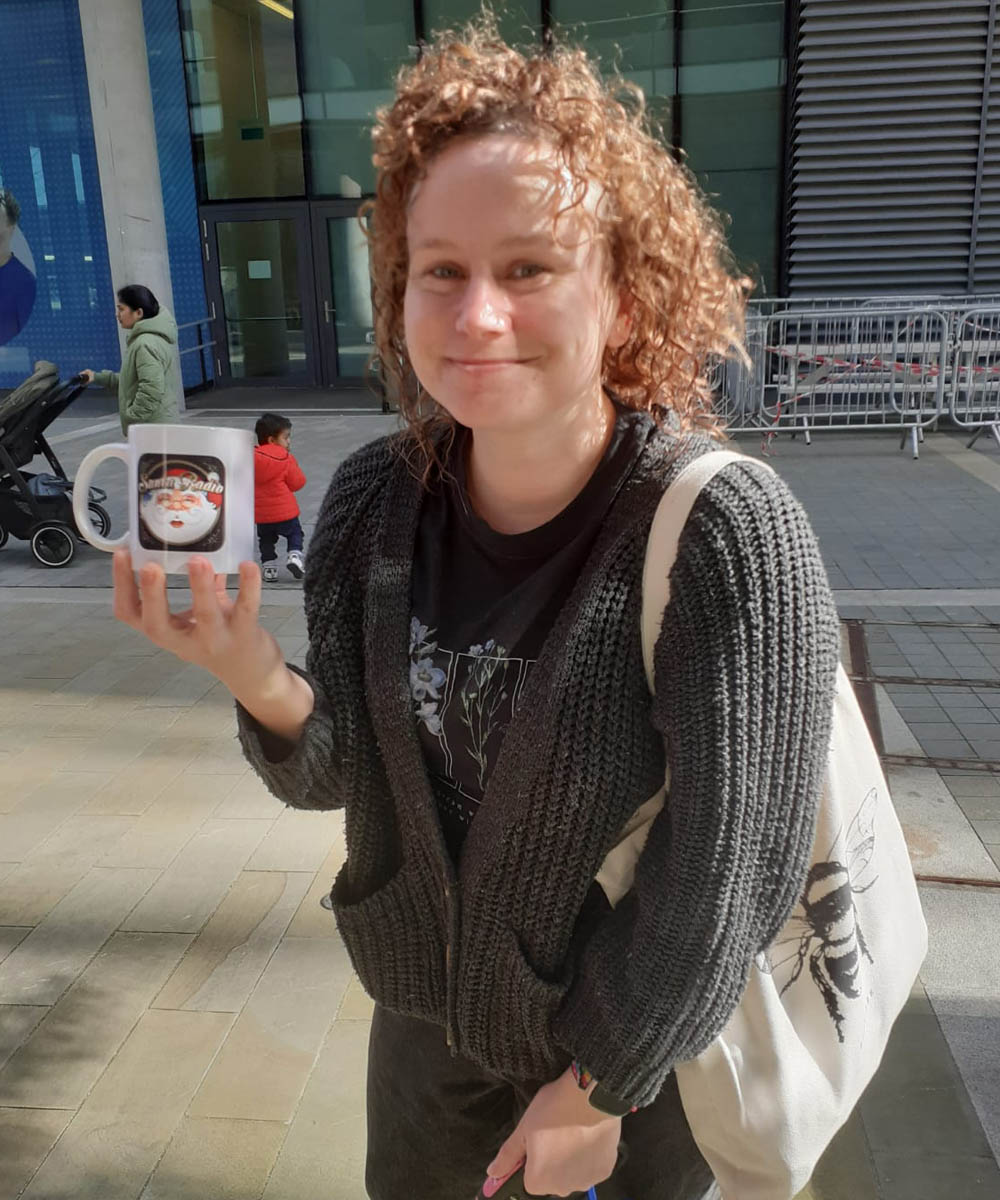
x=147 y=382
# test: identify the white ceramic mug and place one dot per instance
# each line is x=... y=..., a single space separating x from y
x=190 y=492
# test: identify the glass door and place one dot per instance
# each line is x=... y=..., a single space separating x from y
x=343 y=282
x=261 y=292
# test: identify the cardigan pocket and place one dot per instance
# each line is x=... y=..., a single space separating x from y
x=510 y=1030
x=396 y=942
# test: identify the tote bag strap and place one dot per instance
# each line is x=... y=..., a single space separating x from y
x=664 y=537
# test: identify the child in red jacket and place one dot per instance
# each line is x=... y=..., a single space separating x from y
x=276 y=477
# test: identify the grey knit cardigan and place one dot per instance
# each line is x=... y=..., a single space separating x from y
x=745 y=667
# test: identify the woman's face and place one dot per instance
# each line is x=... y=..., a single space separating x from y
x=127 y=317
x=506 y=314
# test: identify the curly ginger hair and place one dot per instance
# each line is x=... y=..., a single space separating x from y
x=667 y=248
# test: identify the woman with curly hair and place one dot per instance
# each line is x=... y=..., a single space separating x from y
x=550 y=292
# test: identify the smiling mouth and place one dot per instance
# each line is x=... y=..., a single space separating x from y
x=487 y=362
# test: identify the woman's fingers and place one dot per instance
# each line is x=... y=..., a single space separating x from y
x=153 y=598
x=510 y=1157
x=223 y=596
x=128 y=605
x=204 y=594
x=126 y=595
x=146 y=607
x=247 y=606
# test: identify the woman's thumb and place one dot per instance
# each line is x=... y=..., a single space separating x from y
x=510 y=1156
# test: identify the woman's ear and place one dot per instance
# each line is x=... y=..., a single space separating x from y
x=621 y=327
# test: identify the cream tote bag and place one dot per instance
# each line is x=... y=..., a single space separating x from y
x=766 y=1097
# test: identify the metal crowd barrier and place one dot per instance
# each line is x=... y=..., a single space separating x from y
x=842 y=369
x=768 y=305
x=738 y=386
x=873 y=362
x=974 y=399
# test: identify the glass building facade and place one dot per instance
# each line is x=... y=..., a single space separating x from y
x=281 y=96
x=263 y=112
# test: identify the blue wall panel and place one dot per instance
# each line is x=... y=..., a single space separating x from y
x=173 y=143
x=47 y=160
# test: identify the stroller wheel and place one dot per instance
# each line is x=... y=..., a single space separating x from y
x=99 y=516
x=53 y=544
x=4 y=535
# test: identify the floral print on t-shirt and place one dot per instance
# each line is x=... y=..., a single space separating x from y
x=465 y=699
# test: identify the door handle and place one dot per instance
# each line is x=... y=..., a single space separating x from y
x=329 y=311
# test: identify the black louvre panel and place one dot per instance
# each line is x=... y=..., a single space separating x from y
x=888 y=141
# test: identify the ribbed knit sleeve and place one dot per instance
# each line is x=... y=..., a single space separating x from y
x=745 y=668
x=319 y=770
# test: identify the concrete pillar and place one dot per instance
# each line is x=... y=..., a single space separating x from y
x=114 y=45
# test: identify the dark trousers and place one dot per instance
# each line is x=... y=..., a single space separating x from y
x=435 y=1122
x=267 y=537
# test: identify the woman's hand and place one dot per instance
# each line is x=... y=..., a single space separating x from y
x=219 y=634
x=566 y=1146
x=87 y=374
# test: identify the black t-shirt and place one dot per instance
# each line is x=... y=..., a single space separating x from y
x=482 y=605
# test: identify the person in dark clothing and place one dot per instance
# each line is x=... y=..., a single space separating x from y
x=17 y=283
x=550 y=291
x=277 y=477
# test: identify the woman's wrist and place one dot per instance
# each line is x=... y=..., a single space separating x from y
x=281 y=702
x=600 y=1099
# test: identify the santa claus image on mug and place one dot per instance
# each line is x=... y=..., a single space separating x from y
x=181 y=502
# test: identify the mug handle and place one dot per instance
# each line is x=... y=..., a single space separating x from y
x=81 y=495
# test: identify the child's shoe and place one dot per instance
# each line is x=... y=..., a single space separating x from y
x=270 y=574
x=295 y=564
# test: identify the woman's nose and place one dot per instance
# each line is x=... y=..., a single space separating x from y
x=482 y=309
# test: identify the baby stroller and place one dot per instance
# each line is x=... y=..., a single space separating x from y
x=38 y=509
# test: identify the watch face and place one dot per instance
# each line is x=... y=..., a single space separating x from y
x=181 y=502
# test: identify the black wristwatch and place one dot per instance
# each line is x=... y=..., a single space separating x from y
x=604 y=1101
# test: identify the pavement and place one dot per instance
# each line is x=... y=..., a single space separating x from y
x=178 y=1017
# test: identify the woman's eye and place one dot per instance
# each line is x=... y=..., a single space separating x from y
x=443 y=272
x=527 y=270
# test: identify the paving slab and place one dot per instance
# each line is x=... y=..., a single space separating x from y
x=918 y=1101
x=39 y=812
x=227 y=958
x=908 y=1176
x=26 y=1137
x=136 y=786
x=249 y=798
x=312 y=919
x=50 y=958
x=962 y=977
x=324 y=1152
x=357 y=1005
x=267 y=1059
x=157 y=837
x=218 y=1158
x=940 y=838
x=186 y=894
x=11 y=936
x=30 y=892
x=896 y=735
x=116 y=1138
x=71 y=1047
x=298 y=840
x=16 y=1023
